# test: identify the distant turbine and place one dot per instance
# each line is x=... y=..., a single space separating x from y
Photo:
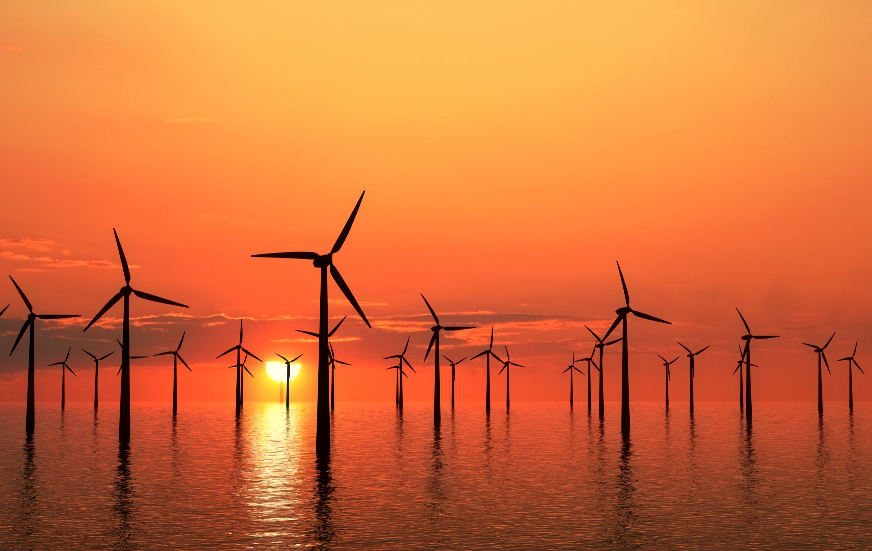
x=64 y=368
x=288 y=379
x=401 y=359
x=506 y=365
x=96 y=371
x=600 y=344
x=333 y=362
x=121 y=346
x=323 y=262
x=239 y=365
x=572 y=368
x=30 y=420
x=739 y=370
x=748 y=338
x=453 y=366
x=625 y=353
x=819 y=350
x=176 y=359
x=125 y=292
x=436 y=329
x=240 y=368
x=850 y=359
x=330 y=357
x=487 y=353
x=692 y=356
x=666 y=364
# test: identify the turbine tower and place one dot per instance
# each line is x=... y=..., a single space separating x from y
x=239 y=365
x=507 y=363
x=64 y=368
x=401 y=359
x=666 y=364
x=436 y=329
x=96 y=372
x=570 y=368
x=176 y=359
x=453 y=366
x=819 y=350
x=692 y=356
x=487 y=353
x=288 y=379
x=850 y=359
x=600 y=344
x=748 y=337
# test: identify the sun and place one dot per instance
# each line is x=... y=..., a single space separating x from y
x=278 y=371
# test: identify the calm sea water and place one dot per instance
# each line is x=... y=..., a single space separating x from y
x=540 y=477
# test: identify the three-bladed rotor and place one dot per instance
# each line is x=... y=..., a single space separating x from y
x=667 y=363
x=623 y=311
x=238 y=347
x=31 y=316
x=571 y=366
x=820 y=351
x=507 y=362
x=175 y=353
x=851 y=359
x=439 y=327
x=64 y=363
x=489 y=351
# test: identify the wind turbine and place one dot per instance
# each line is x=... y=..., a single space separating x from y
x=572 y=368
x=30 y=420
x=96 y=371
x=487 y=353
x=333 y=362
x=850 y=359
x=125 y=292
x=121 y=346
x=453 y=366
x=748 y=338
x=666 y=364
x=401 y=359
x=436 y=329
x=819 y=350
x=176 y=359
x=739 y=370
x=506 y=365
x=64 y=368
x=288 y=380
x=330 y=358
x=692 y=356
x=323 y=262
x=600 y=344
x=239 y=365
x=625 y=354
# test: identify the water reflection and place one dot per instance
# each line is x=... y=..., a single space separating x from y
x=822 y=459
x=324 y=531
x=28 y=504
x=625 y=507
x=123 y=507
x=748 y=483
x=435 y=485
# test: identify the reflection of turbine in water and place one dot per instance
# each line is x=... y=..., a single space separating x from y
x=124 y=500
x=325 y=533
x=625 y=506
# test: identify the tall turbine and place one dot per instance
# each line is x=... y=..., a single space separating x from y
x=436 y=329
x=323 y=262
x=288 y=378
x=453 y=366
x=401 y=359
x=850 y=359
x=507 y=363
x=692 y=356
x=487 y=353
x=739 y=370
x=239 y=366
x=64 y=368
x=748 y=337
x=666 y=364
x=97 y=372
x=125 y=292
x=570 y=368
x=176 y=359
x=600 y=344
x=819 y=350
x=625 y=354
x=30 y=420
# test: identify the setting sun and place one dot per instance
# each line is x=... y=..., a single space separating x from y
x=278 y=371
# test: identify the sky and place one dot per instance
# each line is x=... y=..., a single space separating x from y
x=510 y=153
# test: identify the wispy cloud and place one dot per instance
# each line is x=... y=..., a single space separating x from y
x=27 y=243
x=190 y=120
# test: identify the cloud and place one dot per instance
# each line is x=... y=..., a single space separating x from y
x=27 y=243
x=190 y=120
x=14 y=256
x=10 y=48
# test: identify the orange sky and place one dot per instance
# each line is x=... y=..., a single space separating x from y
x=511 y=152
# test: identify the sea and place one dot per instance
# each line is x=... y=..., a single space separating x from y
x=540 y=475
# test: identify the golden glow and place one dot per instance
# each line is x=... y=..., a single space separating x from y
x=278 y=371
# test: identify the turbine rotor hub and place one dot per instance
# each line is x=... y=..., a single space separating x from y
x=323 y=261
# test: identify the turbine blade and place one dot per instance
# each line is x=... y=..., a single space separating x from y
x=497 y=358
x=826 y=362
x=23 y=296
x=860 y=368
x=432 y=340
x=252 y=355
x=228 y=351
x=337 y=277
x=340 y=362
x=831 y=339
x=482 y=353
x=282 y=357
x=330 y=334
x=3 y=311
x=492 y=337
x=407 y=363
x=247 y=371
x=123 y=258
x=344 y=234
x=21 y=334
x=568 y=368
x=296 y=255
x=765 y=336
x=501 y=370
x=57 y=316
x=675 y=360
x=71 y=370
x=460 y=361
x=88 y=353
x=105 y=308
x=810 y=345
x=164 y=353
x=407 y=344
x=614 y=341
x=614 y=324
x=684 y=347
x=68 y=353
x=181 y=359
x=662 y=358
x=701 y=351
x=447 y=358
x=316 y=335
x=623 y=284
x=738 y=367
x=745 y=323
x=649 y=317
x=432 y=313
x=155 y=298
x=106 y=356
x=297 y=358
x=516 y=364
x=179 y=347
x=594 y=334
x=458 y=328
x=56 y=363
x=852 y=354
x=392 y=357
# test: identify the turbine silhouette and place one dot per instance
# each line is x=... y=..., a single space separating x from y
x=323 y=262
x=570 y=368
x=819 y=350
x=692 y=356
x=30 y=419
x=401 y=359
x=739 y=370
x=600 y=344
x=64 y=368
x=330 y=358
x=622 y=313
x=121 y=346
x=487 y=353
x=176 y=359
x=436 y=329
x=507 y=363
x=851 y=361
x=666 y=364
x=453 y=366
x=288 y=379
x=97 y=372
x=333 y=362
x=748 y=338
x=239 y=365
x=125 y=292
